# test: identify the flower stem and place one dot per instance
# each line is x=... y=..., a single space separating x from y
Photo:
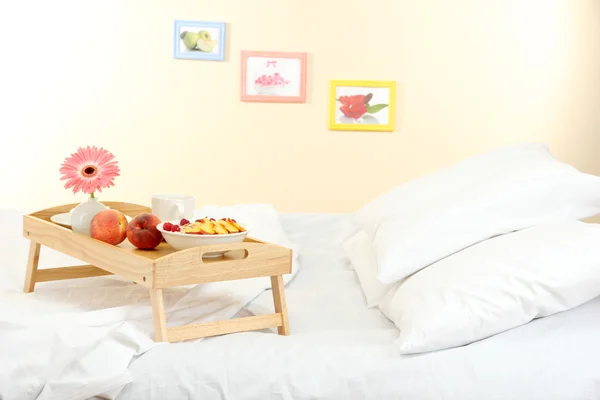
x=92 y=195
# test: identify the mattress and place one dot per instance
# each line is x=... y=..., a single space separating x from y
x=340 y=349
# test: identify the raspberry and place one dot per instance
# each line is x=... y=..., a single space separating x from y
x=184 y=222
x=167 y=226
x=175 y=228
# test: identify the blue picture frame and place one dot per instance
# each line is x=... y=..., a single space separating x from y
x=210 y=50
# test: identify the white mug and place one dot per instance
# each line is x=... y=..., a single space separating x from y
x=171 y=207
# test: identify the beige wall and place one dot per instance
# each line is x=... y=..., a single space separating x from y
x=472 y=75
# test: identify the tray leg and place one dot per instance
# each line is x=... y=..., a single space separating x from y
x=280 y=306
x=32 y=266
x=158 y=314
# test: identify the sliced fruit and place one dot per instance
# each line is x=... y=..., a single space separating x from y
x=236 y=224
x=206 y=45
x=228 y=225
x=220 y=229
x=207 y=227
x=194 y=228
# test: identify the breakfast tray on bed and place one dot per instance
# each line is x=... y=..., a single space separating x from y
x=160 y=268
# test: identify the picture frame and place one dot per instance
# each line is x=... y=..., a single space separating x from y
x=199 y=40
x=273 y=77
x=356 y=105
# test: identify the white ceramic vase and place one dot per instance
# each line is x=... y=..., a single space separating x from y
x=81 y=216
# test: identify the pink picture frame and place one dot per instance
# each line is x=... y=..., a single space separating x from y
x=273 y=77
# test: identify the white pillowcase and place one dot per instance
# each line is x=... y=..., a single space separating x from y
x=361 y=254
x=511 y=188
x=496 y=285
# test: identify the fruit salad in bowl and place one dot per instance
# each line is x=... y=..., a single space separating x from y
x=201 y=232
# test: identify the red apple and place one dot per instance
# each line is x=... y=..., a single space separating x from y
x=142 y=232
x=109 y=226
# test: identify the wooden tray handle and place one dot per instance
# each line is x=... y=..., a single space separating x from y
x=247 y=248
x=252 y=249
x=186 y=267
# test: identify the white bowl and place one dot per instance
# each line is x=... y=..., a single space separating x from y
x=182 y=241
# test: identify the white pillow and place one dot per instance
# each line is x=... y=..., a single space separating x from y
x=496 y=285
x=361 y=254
x=511 y=188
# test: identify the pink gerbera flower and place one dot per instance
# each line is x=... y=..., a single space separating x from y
x=90 y=169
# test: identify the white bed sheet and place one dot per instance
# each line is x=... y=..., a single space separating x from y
x=340 y=349
x=72 y=340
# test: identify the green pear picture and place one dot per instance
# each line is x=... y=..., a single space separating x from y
x=201 y=41
x=189 y=39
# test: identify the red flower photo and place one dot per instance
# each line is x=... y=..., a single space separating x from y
x=357 y=105
x=362 y=105
x=353 y=106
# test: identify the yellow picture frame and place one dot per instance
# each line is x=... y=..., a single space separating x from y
x=353 y=115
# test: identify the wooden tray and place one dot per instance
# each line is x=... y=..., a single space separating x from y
x=160 y=268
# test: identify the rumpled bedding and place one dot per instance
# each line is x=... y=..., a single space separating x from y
x=72 y=340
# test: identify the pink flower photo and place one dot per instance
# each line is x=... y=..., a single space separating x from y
x=273 y=77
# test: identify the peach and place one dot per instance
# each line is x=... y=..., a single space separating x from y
x=220 y=229
x=236 y=224
x=142 y=231
x=202 y=226
x=194 y=228
x=229 y=226
x=109 y=226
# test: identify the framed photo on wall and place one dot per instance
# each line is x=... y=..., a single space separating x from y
x=273 y=77
x=362 y=105
x=199 y=40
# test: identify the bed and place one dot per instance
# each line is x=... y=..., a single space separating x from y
x=339 y=349
x=91 y=338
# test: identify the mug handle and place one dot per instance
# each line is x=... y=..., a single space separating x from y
x=180 y=210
